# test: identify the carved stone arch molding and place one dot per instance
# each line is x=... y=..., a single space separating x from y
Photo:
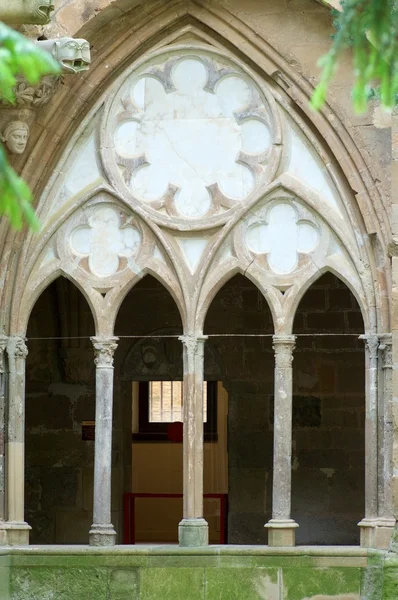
x=280 y=86
x=103 y=248
x=282 y=243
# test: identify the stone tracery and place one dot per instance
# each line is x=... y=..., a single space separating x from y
x=160 y=98
x=104 y=241
x=283 y=237
x=160 y=109
x=169 y=211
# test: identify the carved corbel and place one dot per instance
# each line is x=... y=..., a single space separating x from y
x=73 y=54
x=392 y=248
x=15 y=129
x=17 y=12
x=33 y=96
x=15 y=136
x=3 y=345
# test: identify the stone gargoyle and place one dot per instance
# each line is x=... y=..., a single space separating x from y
x=73 y=54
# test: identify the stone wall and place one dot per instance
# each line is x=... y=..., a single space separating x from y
x=200 y=573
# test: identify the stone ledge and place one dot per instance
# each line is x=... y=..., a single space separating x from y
x=227 y=550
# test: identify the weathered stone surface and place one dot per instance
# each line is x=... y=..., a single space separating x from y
x=239 y=573
x=124 y=584
x=55 y=583
x=331 y=212
x=172 y=583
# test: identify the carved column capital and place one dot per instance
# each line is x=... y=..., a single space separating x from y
x=192 y=340
x=283 y=346
x=385 y=348
x=192 y=343
x=3 y=345
x=16 y=347
x=104 y=349
x=392 y=248
x=372 y=343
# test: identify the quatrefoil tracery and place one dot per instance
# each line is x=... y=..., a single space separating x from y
x=282 y=236
x=105 y=241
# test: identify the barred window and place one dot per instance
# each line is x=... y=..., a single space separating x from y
x=166 y=402
x=161 y=403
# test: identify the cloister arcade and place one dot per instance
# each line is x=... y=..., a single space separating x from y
x=194 y=171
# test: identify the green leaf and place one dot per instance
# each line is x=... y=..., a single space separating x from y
x=370 y=29
x=19 y=57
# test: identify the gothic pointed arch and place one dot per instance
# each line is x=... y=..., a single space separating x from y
x=188 y=232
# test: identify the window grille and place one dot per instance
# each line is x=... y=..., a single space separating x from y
x=166 y=402
x=161 y=403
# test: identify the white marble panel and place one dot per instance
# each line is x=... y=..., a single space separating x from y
x=190 y=137
x=256 y=136
x=233 y=93
x=84 y=169
x=282 y=237
x=104 y=241
x=126 y=139
x=306 y=166
x=192 y=248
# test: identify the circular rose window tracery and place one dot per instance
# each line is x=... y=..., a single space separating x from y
x=190 y=135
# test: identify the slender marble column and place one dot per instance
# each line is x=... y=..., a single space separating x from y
x=281 y=528
x=193 y=529
x=18 y=530
x=3 y=345
x=368 y=524
x=102 y=532
x=386 y=427
x=386 y=519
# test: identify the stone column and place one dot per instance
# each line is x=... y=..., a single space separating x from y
x=102 y=532
x=17 y=529
x=369 y=523
x=393 y=253
x=193 y=529
x=386 y=519
x=3 y=345
x=281 y=528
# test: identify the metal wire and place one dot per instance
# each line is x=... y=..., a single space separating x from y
x=210 y=335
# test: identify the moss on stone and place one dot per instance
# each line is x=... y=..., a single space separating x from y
x=227 y=574
x=299 y=584
x=172 y=583
x=242 y=584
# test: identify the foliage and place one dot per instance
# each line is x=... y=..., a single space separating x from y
x=18 y=56
x=370 y=28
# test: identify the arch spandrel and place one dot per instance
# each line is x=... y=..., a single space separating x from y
x=186 y=275
x=103 y=248
x=283 y=242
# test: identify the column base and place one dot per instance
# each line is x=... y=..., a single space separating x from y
x=14 y=533
x=376 y=533
x=102 y=535
x=281 y=532
x=193 y=532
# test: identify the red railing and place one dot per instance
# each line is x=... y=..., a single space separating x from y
x=129 y=513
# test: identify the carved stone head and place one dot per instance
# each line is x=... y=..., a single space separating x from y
x=74 y=55
x=15 y=136
x=35 y=12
